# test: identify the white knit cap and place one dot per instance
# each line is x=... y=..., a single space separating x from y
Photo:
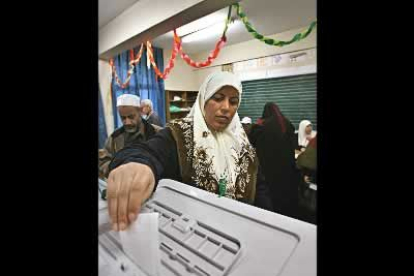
x=246 y=120
x=128 y=100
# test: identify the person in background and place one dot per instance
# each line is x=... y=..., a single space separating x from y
x=207 y=149
x=305 y=134
x=133 y=130
x=149 y=113
x=307 y=163
x=247 y=124
x=273 y=137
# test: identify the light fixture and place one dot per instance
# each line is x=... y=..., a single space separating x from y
x=200 y=24
x=214 y=30
x=203 y=22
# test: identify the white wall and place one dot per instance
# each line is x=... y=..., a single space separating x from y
x=276 y=66
x=182 y=76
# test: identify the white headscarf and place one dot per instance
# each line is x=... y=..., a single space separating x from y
x=224 y=146
x=302 y=137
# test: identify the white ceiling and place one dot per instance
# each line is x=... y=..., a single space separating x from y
x=109 y=9
x=267 y=16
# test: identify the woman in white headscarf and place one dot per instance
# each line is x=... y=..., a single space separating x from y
x=305 y=134
x=208 y=149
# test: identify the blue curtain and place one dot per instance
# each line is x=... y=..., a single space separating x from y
x=144 y=82
x=101 y=121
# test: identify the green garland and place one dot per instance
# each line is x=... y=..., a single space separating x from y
x=227 y=22
x=267 y=40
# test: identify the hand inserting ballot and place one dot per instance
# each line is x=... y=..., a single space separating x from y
x=129 y=186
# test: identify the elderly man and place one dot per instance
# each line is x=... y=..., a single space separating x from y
x=133 y=130
x=247 y=124
x=151 y=116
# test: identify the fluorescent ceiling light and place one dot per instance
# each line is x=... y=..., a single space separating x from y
x=200 y=24
x=203 y=22
x=212 y=31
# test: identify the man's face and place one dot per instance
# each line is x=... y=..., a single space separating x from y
x=247 y=128
x=131 y=118
x=145 y=109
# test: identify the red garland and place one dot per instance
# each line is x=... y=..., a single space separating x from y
x=213 y=55
x=132 y=63
x=170 y=65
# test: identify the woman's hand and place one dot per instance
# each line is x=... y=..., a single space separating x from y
x=129 y=186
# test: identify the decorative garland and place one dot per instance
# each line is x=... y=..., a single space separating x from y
x=139 y=55
x=132 y=63
x=267 y=40
x=213 y=54
x=170 y=65
x=177 y=48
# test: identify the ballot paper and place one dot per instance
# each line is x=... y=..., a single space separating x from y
x=140 y=241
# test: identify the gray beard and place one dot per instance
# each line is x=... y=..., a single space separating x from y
x=133 y=130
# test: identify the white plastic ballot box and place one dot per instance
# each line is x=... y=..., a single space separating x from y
x=202 y=234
